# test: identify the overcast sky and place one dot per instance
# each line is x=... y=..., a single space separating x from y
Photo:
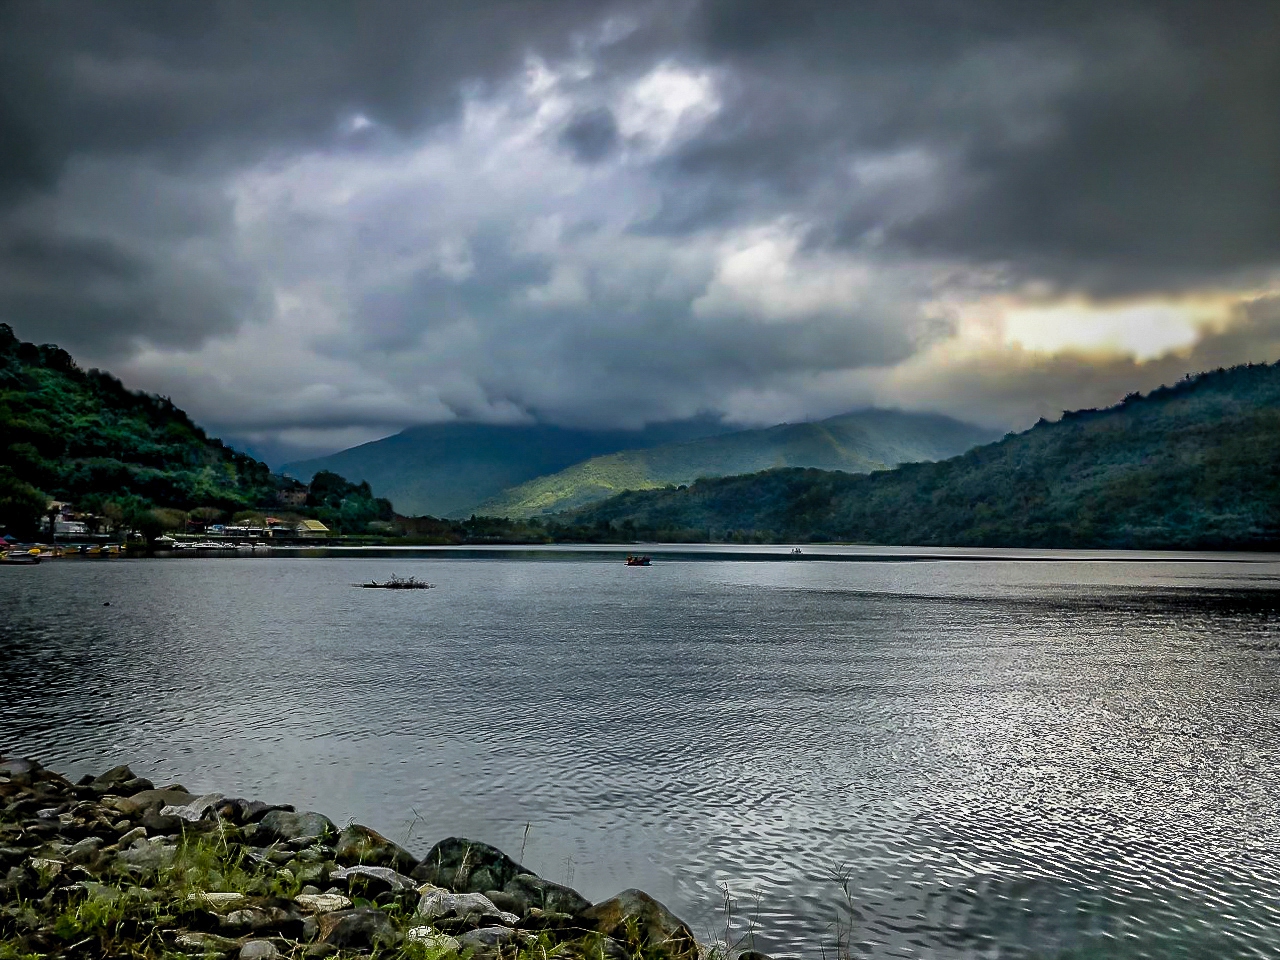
x=317 y=223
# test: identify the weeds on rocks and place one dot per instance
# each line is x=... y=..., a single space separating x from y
x=113 y=867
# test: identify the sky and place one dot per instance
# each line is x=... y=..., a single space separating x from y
x=314 y=224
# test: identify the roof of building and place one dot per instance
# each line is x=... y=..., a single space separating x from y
x=315 y=526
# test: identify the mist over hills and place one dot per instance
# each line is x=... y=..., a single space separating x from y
x=1194 y=465
x=450 y=469
x=857 y=442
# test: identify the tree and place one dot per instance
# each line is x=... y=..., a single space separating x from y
x=21 y=505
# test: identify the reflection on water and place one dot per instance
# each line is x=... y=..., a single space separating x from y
x=995 y=759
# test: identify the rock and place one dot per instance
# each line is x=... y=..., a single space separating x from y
x=149 y=855
x=467 y=866
x=259 y=950
x=313 y=874
x=437 y=902
x=433 y=939
x=114 y=777
x=533 y=891
x=206 y=943
x=266 y=915
x=360 y=845
x=195 y=810
x=219 y=901
x=146 y=800
x=319 y=950
x=281 y=826
x=322 y=902
x=486 y=937
x=652 y=923
x=137 y=833
x=251 y=811
x=100 y=892
x=375 y=878
x=19 y=769
x=154 y=822
x=361 y=929
x=753 y=955
x=85 y=851
x=130 y=787
x=50 y=868
x=507 y=902
x=242 y=919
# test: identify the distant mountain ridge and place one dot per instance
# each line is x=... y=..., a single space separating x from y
x=856 y=442
x=450 y=469
x=1195 y=465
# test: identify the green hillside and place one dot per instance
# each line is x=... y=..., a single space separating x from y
x=1193 y=465
x=81 y=436
x=450 y=469
x=855 y=442
x=71 y=434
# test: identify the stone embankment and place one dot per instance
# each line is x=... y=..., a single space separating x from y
x=111 y=866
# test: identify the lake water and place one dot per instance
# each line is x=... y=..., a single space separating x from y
x=1068 y=756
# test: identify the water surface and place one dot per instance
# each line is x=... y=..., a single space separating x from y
x=1025 y=755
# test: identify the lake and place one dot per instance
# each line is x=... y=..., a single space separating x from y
x=952 y=754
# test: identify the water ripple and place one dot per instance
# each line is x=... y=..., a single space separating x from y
x=962 y=759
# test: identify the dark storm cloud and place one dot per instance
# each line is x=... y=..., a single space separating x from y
x=693 y=199
x=1110 y=147
x=592 y=135
x=195 y=91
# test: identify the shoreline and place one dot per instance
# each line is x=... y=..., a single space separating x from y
x=115 y=866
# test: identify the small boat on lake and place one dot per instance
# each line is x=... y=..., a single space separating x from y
x=638 y=560
x=397 y=583
x=20 y=558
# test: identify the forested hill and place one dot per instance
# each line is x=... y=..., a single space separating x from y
x=1195 y=465
x=77 y=435
x=857 y=442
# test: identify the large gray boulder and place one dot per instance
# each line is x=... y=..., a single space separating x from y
x=467 y=866
x=360 y=845
x=373 y=879
x=361 y=929
x=139 y=803
x=639 y=920
x=281 y=826
x=438 y=903
x=534 y=892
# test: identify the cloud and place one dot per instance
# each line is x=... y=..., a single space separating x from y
x=591 y=136
x=336 y=220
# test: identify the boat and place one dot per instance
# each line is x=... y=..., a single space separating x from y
x=397 y=583
x=638 y=560
x=20 y=558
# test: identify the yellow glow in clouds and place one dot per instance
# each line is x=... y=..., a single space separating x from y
x=1142 y=330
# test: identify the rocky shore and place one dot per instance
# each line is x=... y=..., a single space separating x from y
x=112 y=866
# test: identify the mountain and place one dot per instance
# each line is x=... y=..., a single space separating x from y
x=1195 y=465
x=450 y=469
x=71 y=434
x=854 y=442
